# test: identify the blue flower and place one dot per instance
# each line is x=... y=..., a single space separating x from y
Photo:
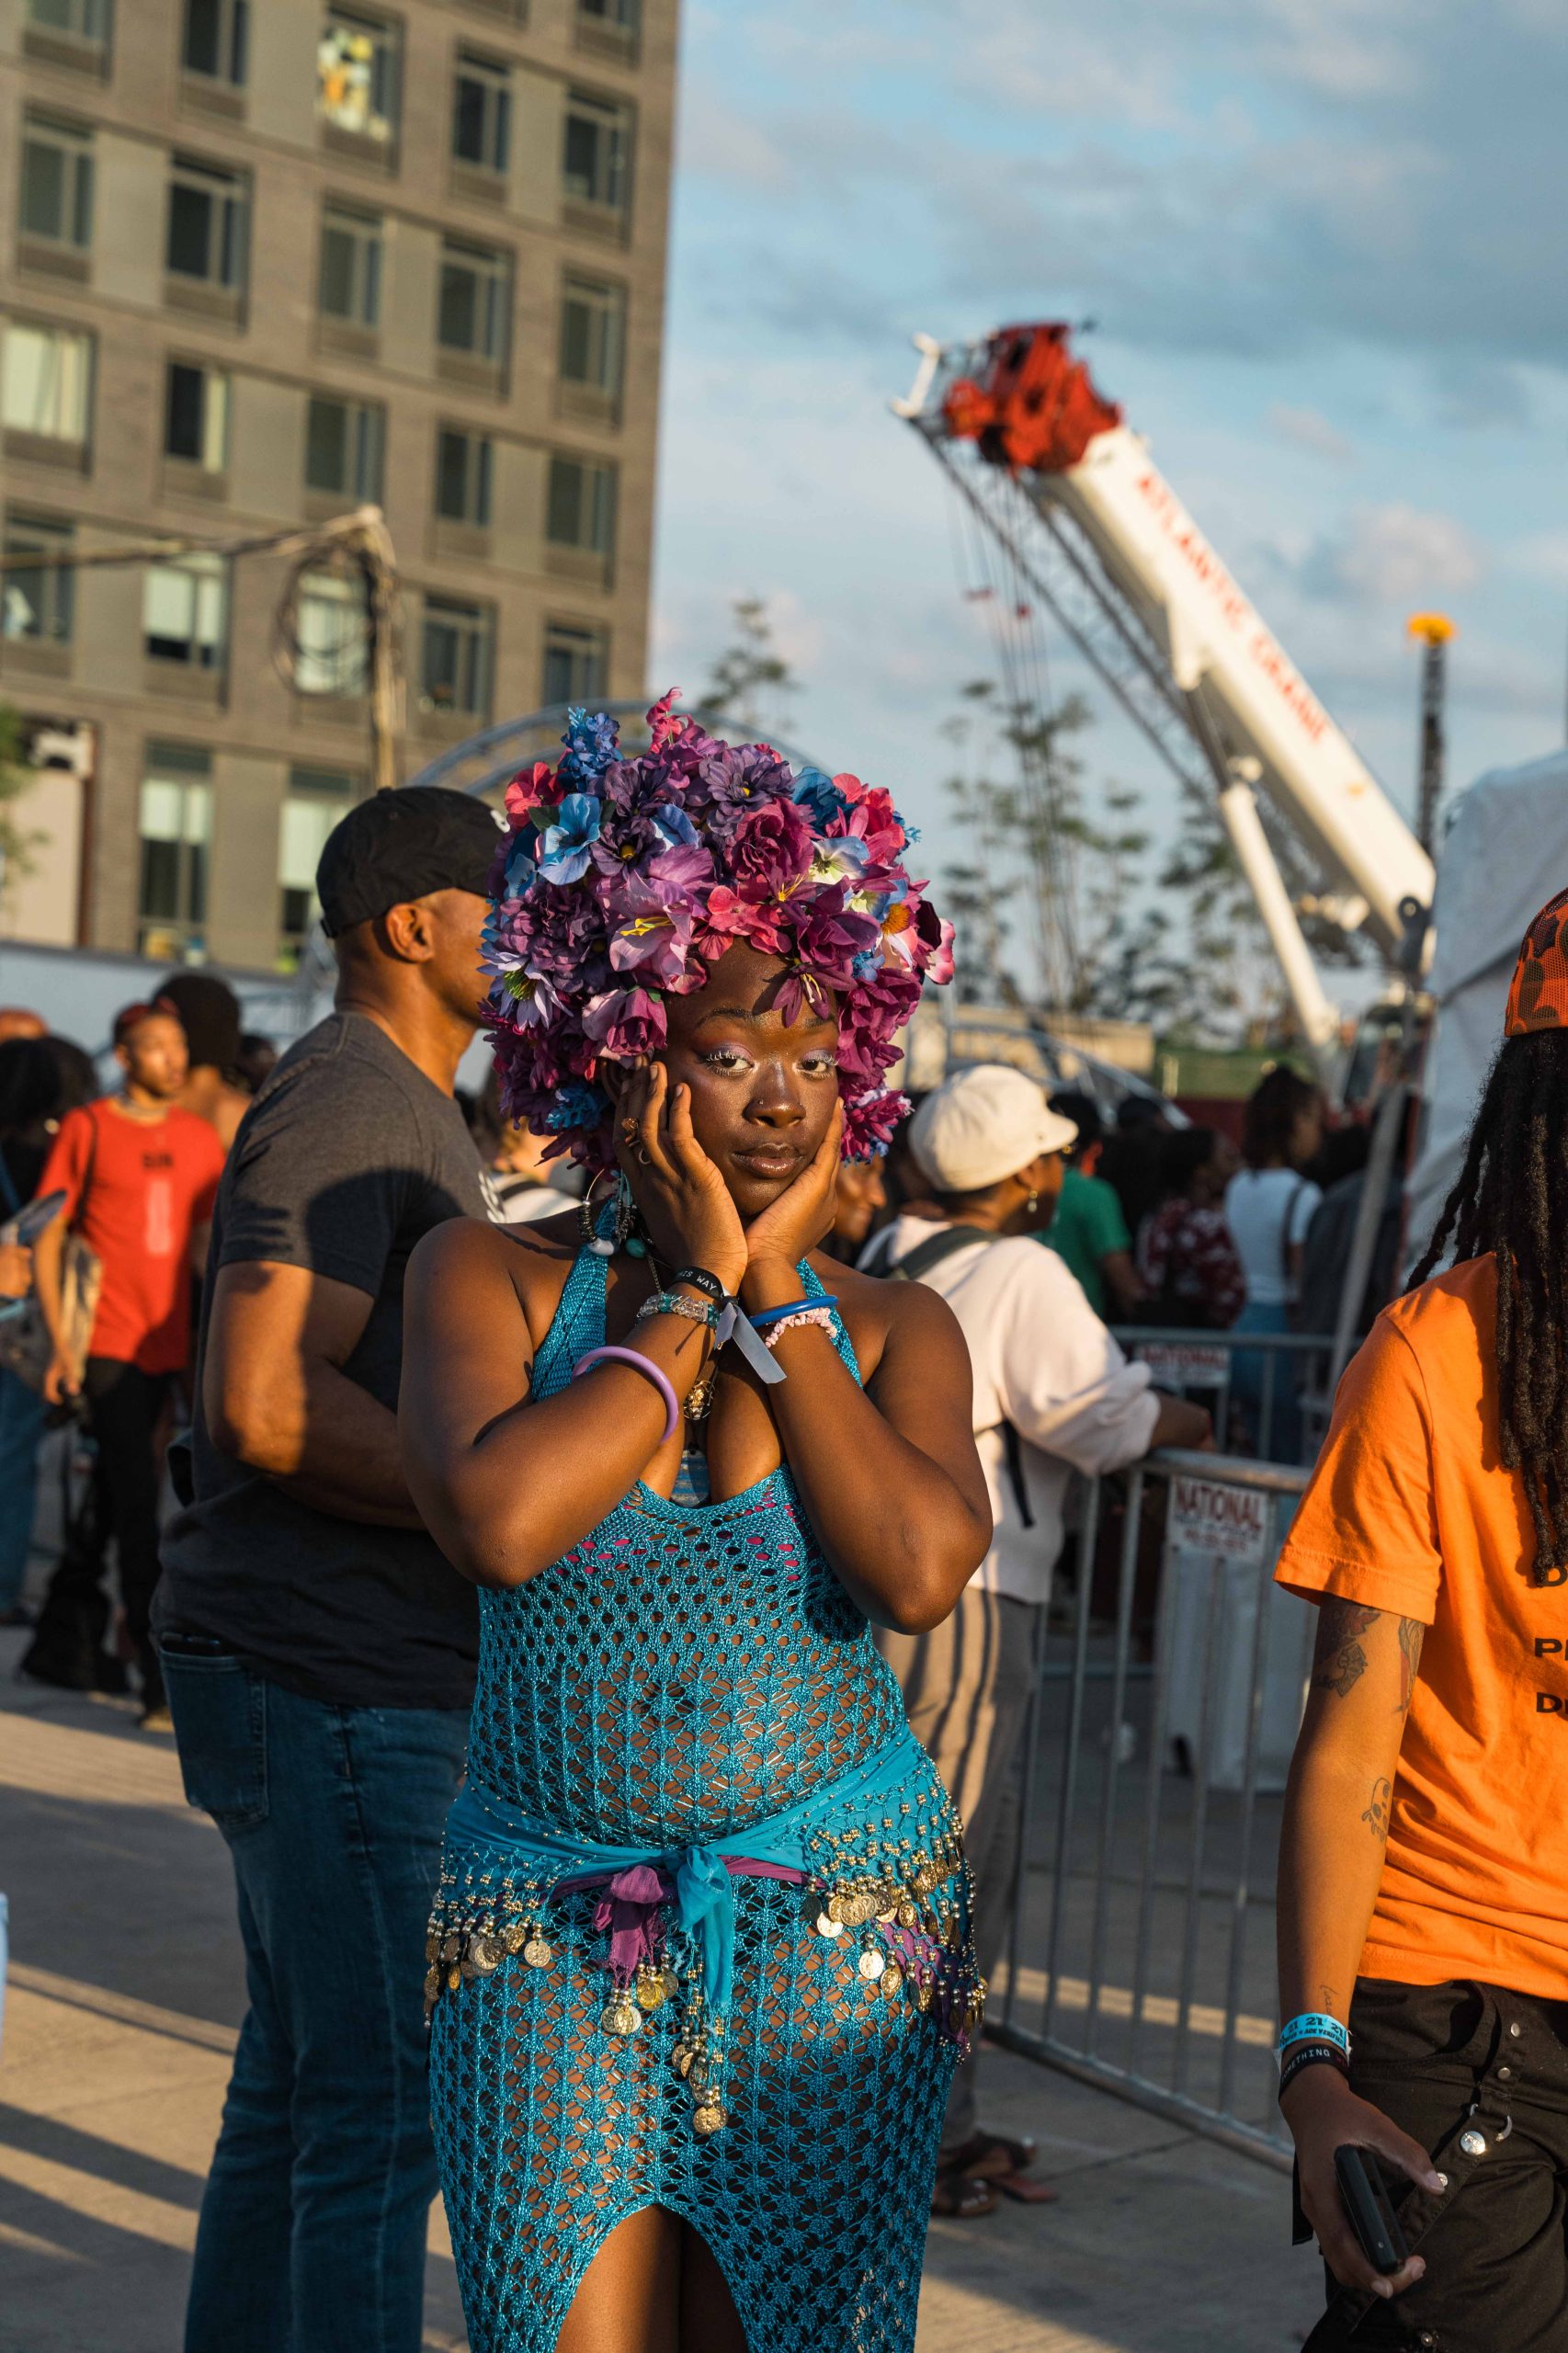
x=521 y=870
x=576 y=1105
x=820 y=795
x=671 y=825
x=566 y=851
x=867 y=965
x=591 y=744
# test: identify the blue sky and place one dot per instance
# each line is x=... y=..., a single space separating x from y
x=1321 y=240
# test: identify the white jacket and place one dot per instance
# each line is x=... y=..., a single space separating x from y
x=1042 y=1360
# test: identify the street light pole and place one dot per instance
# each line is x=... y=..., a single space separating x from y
x=1433 y=631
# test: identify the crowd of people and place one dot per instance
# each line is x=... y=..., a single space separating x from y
x=617 y=1603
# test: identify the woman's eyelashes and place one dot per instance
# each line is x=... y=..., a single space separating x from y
x=729 y=1061
x=822 y=1064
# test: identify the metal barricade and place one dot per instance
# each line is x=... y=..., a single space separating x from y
x=1153 y=1770
x=1268 y=1392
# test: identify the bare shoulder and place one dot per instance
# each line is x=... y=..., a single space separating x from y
x=881 y=1315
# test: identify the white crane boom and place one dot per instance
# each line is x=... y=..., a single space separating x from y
x=1150 y=603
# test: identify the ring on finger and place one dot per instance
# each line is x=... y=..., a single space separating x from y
x=628 y=1131
x=644 y=1155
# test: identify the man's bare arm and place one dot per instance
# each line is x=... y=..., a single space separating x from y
x=277 y=1399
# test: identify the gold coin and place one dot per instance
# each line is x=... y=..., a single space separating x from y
x=907 y=1915
x=922 y=1994
x=536 y=1953
x=710 y=2119
x=871 y=1963
x=893 y=1981
x=621 y=2016
x=454 y=1979
x=681 y=2058
x=514 y=1936
x=484 y=1954
x=670 y=1982
x=451 y=1949
x=827 y=1926
x=432 y=1983
x=833 y=1911
x=650 y=1993
x=432 y=1946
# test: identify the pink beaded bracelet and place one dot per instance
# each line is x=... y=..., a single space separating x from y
x=819 y=1316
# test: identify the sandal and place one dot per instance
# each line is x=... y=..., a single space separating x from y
x=961 y=2196
x=1003 y=2164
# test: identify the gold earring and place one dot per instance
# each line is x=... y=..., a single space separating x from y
x=1033 y=1203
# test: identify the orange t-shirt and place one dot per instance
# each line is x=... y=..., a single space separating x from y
x=149 y=1183
x=1410 y=1511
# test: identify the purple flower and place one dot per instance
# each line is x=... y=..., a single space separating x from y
x=533 y=1001
x=567 y=846
x=591 y=744
x=653 y=932
x=624 y=1022
x=870 y=1121
x=828 y=938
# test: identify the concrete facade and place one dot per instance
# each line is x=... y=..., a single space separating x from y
x=214 y=214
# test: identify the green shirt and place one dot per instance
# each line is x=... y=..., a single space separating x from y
x=1087 y=1226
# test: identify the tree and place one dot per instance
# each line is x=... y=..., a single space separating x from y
x=18 y=843
x=749 y=678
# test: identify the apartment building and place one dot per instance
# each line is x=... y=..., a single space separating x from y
x=262 y=261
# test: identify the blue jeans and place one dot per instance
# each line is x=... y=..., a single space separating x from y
x=311 y=2238
x=1263 y=1384
x=21 y=1426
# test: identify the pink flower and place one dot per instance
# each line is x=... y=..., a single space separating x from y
x=528 y=789
x=663 y=725
x=937 y=938
x=771 y=850
x=624 y=1022
x=721 y=919
x=869 y=1120
x=654 y=931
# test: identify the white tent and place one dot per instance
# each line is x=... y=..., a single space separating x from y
x=1504 y=855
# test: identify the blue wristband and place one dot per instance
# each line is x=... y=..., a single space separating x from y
x=1313 y=2025
x=766 y=1315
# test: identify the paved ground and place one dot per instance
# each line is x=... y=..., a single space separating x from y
x=124 y=1998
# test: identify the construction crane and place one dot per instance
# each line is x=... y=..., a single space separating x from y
x=1100 y=539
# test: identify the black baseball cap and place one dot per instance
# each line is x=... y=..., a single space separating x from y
x=402 y=845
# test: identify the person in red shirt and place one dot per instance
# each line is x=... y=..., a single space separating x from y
x=140 y=1177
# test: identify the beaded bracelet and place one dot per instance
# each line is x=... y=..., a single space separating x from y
x=1312 y=2054
x=766 y=1315
x=671 y=1302
x=819 y=1316
x=1313 y=2025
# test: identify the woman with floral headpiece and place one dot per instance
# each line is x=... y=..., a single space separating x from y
x=699 y=1965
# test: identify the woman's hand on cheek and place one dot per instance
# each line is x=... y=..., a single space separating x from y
x=802 y=1214
x=685 y=1203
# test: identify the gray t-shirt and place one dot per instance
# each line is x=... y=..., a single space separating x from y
x=348 y=1155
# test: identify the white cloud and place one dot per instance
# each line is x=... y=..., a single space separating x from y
x=1310 y=429
x=1395 y=555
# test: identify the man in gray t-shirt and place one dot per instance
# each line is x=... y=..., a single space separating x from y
x=317 y=1650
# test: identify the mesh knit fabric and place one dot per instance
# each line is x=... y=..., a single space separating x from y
x=681 y=1675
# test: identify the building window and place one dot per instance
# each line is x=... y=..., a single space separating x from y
x=576 y=664
x=343 y=449
x=617 y=16
x=463 y=476
x=471 y=316
x=176 y=825
x=482 y=113
x=185 y=611
x=87 y=20
x=57 y=183
x=217 y=35
x=38 y=594
x=351 y=284
x=196 y=416
x=593 y=335
x=597 y=161
x=330 y=627
x=356 y=75
x=316 y=799
x=580 y=510
x=455 y=657
x=207 y=224
x=46 y=383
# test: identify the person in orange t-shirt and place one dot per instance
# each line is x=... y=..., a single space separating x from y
x=1423 y=1862
x=140 y=1177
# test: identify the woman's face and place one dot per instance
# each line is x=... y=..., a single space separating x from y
x=1306 y=1137
x=762 y=1091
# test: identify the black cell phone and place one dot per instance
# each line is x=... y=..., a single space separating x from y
x=1365 y=2201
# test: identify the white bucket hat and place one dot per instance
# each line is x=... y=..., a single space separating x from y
x=983 y=1124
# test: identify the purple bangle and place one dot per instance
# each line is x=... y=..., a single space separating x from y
x=639 y=1363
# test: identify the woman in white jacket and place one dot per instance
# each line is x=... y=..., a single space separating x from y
x=1053 y=1394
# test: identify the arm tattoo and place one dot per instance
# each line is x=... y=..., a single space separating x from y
x=1410 y=1630
x=1376 y=1817
x=1338 y=1660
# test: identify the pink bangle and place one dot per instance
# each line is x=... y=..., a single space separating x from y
x=820 y=1315
x=639 y=1363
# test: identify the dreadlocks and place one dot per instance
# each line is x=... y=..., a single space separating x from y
x=1512 y=1198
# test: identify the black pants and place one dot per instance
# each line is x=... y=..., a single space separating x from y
x=1480 y=2077
x=123 y=1405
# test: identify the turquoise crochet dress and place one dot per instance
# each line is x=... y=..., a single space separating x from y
x=702 y=1936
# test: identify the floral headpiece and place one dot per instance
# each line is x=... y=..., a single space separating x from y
x=621 y=880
